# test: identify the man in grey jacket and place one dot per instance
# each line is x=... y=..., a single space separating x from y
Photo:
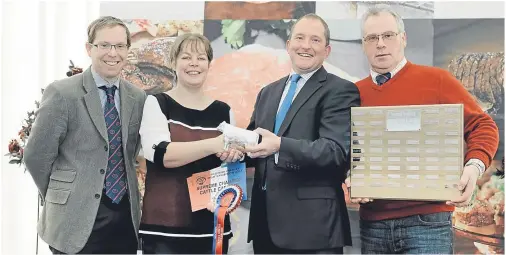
x=82 y=150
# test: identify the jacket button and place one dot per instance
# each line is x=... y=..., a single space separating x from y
x=105 y=148
x=102 y=171
x=97 y=196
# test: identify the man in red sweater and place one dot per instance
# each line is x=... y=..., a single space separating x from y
x=389 y=226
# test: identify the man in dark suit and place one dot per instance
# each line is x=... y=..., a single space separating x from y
x=298 y=204
x=82 y=149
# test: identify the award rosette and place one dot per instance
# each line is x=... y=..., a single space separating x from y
x=227 y=200
x=204 y=187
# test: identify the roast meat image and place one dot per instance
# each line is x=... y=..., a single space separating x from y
x=482 y=74
x=148 y=66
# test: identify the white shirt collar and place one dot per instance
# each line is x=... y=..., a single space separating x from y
x=392 y=73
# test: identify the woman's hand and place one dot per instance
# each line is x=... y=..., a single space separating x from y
x=231 y=155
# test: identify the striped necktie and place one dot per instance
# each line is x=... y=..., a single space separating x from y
x=115 y=180
x=382 y=78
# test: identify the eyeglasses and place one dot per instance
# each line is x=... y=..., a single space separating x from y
x=374 y=38
x=108 y=46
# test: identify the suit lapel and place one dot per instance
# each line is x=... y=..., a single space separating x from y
x=274 y=100
x=312 y=85
x=127 y=104
x=92 y=101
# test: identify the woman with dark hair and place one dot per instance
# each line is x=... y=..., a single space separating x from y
x=179 y=137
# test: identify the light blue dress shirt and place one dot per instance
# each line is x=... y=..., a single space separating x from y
x=103 y=97
x=302 y=81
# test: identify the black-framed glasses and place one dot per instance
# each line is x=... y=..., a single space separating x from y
x=108 y=46
x=374 y=38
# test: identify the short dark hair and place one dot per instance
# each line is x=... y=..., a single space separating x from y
x=106 y=21
x=326 y=30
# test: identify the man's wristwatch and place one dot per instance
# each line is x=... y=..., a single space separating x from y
x=477 y=163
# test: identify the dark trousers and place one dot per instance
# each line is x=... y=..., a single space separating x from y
x=262 y=241
x=113 y=231
x=152 y=244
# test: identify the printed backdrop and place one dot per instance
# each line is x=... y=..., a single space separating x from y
x=248 y=39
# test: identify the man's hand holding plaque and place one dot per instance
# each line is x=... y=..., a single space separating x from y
x=355 y=200
x=467 y=184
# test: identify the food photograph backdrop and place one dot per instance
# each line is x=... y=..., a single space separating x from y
x=248 y=39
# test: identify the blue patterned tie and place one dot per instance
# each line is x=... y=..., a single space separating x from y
x=115 y=180
x=382 y=78
x=285 y=106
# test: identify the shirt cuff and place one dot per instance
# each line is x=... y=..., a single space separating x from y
x=478 y=163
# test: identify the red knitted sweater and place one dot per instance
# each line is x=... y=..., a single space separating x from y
x=419 y=85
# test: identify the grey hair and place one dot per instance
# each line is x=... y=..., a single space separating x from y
x=326 y=30
x=382 y=8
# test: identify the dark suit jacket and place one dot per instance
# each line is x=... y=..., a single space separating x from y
x=305 y=203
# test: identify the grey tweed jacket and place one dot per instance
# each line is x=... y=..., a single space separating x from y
x=67 y=151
